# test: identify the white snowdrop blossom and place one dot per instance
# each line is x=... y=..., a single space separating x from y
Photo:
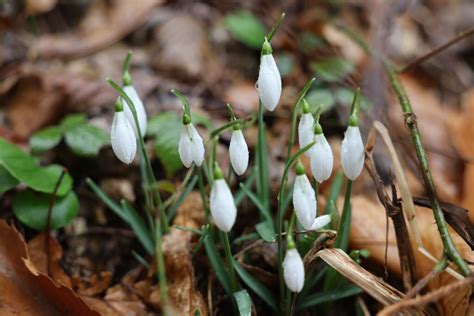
x=320 y=222
x=269 y=79
x=191 y=146
x=122 y=137
x=322 y=159
x=306 y=131
x=239 y=152
x=293 y=270
x=352 y=153
x=304 y=199
x=141 y=114
x=222 y=205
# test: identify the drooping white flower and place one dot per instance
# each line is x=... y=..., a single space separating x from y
x=122 y=137
x=269 y=79
x=293 y=270
x=239 y=152
x=306 y=131
x=222 y=205
x=352 y=153
x=191 y=146
x=304 y=198
x=322 y=159
x=320 y=222
x=141 y=114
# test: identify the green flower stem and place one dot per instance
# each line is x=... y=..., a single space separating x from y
x=229 y=258
x=161 y=266
x=263 y=188
x=294 y=115
x=281 y=214
x=230 y=124
x=184 y=102
x=342 y=240
x=202 y=191
x=411 y=123
x=275 y=27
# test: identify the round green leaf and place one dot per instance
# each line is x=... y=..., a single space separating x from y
x=31 y=208
x=86 y=139
x=25 y=169
x=245 y=27
x=45 y=139
x=72 y=120
x=332 y=68
x=7 y=181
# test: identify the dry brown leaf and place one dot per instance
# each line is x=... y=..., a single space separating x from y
x=462 y=132
x=95 y=285
x=35 y=7
x=26 y=291
x=183 y=47
x=243 y=96
x=368 y=232
x=432 y=122
x=37 y=249
x=104 y=24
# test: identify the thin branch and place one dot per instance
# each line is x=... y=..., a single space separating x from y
x=436 y=50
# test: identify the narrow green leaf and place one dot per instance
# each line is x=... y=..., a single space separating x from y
x=218 y=265
x=31 y=208
x=107 y=200
x=45 y=139
x=345 y=96
x=7 y=181
x=327 y=296
x=256 y=201
x=174 y=208
x=166 y=128
x=246 y=28
x=239 y=196
x=334 y=190
x=332 y=69
x=86 y=140
x=261 y=290
x=243 y=238
x=266 y=231
x=244 y=303
x=25 y=169
x=138 y=226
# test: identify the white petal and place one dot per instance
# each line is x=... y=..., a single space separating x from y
x=306 y=131
x=320 y=222
x=239 y=152
x=197 y=145
x=304 y=201
x=293 y=270
x=141 y=114
x=184 y=148
x=122 y=137
x=322 y=159
x=352 y=153
x=269 y=82
x=222 y=205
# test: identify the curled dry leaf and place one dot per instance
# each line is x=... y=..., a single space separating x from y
x=24 y=289
x=104 y=24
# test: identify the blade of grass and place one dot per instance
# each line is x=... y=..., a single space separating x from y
x=218 y=265
x=174 y=207
x=244 y=303
x=327 y=296
x=138 y=226
x=334 y=190
x=239 y=196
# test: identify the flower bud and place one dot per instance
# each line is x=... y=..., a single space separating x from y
x=305 y=131
x=239 y=152
x=191 y=146
x=304 y=199
x=293 y=270
x=352 y=153
x=122 y=137
x=269 y=79
x=141 y=114
x=320 y=222
x=322 y=159
x=222 y=205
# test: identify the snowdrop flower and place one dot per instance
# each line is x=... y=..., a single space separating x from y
x=304 y=198
x=238 y=151
x=124 y=143
x=322 y=159
x=293 y=270
x=222 y=203
x=306 y=128
x=352 y=152
x=320 y=222
x=191 y=145
x=269 y=79
x=129 y=89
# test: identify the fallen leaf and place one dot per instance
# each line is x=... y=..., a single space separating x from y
x=243 y=97
x=24 y=289
x=105 y=23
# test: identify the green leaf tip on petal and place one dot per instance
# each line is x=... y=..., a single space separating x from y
x=300 y=170
x=266 y=48
x=217 y=172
